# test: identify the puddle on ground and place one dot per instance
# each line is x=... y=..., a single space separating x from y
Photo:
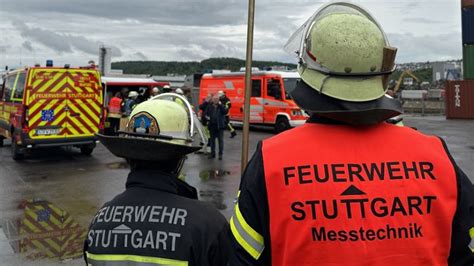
x=44 y=231
x=214 y=174
x=214 y=197
x=117 y=165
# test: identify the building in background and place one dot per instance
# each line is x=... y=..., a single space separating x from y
x=175 y=81
x=105 y=61
x=441 y=70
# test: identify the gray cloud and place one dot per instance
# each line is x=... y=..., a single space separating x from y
x=183 y=30
x=191 y=54
x=4 y=48
x=176 y=12
x=426 y=48
x=61 y=43
x=47 y=38
x=27 y=45
x=422 y=20
x=140 y=56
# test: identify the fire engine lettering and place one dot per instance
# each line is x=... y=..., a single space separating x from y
x=384 y=171
x=82 y=95
x=49 y=96
x=44 y=76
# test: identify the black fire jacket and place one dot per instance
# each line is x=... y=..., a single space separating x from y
x=157 y=220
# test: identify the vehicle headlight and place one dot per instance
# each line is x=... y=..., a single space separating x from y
x=296 y=112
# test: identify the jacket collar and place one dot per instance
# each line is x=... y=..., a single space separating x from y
x=162 y=181
x=351 y=113
x=317 y=119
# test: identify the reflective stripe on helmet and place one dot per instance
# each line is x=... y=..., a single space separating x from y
x=245 y=235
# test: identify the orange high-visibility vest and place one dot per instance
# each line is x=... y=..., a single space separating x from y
x=341 y=195
x=114 y=107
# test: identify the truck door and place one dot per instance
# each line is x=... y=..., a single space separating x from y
x=46 y=103
x=273 y=102
x=17 y=100
x=84 y=102
x=4 y=123
x=7 y=99
x=256 y=104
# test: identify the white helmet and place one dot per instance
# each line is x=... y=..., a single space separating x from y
x=133 y=94
x=220 y=93
x=155 y=90
x=179 y=91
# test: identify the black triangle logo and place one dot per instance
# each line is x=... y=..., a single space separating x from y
x=352 y=190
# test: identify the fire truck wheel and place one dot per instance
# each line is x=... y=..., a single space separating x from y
x=16 y=150
x=282 y=124
x=87 y=150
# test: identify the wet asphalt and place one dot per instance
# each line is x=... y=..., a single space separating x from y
x=79 y=184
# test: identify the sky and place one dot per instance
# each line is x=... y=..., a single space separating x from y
x=65 y=31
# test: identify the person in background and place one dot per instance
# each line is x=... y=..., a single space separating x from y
x=143 y=95
x=166 y=88
x=204 y=122
x=124 y=92
x=130 y=103
x=178 y=100
x=348 y=188
x=155 y=91
x=215 y=116
x=227 y=104
x=114 y=113
x=158 y=219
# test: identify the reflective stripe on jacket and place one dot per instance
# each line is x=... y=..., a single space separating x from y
x=129 y=260
x=114 y=107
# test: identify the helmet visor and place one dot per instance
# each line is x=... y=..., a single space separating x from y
x=297 y=39
x=297 y=44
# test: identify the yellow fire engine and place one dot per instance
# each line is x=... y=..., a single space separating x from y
x=51 y=106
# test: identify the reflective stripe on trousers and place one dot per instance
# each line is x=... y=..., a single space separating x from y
x=245 y=235
x=130 y=260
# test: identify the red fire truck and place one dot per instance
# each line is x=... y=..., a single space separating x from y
x=270 y=102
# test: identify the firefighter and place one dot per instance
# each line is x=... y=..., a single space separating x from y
x=157 y=219
x=227 y=104
x=166 y=88
x=155 y=91
x=347 y=188
x=129 y=104
x=202 y=107
x=114 y=113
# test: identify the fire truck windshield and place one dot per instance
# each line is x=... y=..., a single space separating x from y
x=290 y=85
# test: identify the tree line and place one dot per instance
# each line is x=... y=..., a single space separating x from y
x=162 y=68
